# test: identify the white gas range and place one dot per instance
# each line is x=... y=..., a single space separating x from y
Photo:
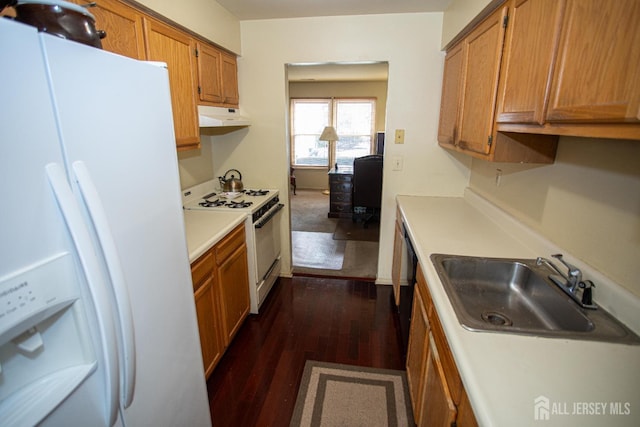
x=262 y=227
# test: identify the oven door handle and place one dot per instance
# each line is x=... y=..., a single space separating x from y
x=265 y=219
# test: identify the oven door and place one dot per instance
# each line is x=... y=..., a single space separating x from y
x=267 y=241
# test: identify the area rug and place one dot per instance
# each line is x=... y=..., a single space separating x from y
x=309 y=211
x=343 y=395
x=346 y=229
x=317 y=250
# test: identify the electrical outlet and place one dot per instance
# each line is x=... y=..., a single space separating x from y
x=399 y=136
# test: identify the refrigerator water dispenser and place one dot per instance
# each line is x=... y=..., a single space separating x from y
x=45 y=348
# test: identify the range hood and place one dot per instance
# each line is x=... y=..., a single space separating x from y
x=220 y=117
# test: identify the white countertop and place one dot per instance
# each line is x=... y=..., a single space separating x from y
x=205 y=228
x=504 y=374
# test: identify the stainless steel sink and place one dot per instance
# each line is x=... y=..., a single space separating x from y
x=516 y=296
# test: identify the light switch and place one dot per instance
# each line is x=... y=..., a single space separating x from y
x=396 y=163
x=399 y=136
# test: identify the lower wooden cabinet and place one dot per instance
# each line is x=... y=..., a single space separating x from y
x=233 y=281
x=438 y=408
x=437 y=394
x=207 y=311
x=417 y=355
x=221 y=294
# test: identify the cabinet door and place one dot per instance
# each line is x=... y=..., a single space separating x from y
x=209 y=79
x=452 y=83
x=596 y=74
x=123 y=25
x=207 y=312
x=417 y=353
x=438 y=407
x=483 y=54
x=530 y=44
x=230 y=80
x=465 y=416
x=233 y=282
x=175 y=48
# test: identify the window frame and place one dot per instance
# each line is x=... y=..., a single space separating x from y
x=333 y=102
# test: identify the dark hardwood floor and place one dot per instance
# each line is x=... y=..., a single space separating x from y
x=304 y=318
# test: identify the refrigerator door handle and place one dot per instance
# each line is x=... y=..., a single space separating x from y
x=125 y=332
x=100 y=298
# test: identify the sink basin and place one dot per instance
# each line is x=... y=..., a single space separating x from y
x=516 y=296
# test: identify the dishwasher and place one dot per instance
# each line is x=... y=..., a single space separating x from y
x=406 y=292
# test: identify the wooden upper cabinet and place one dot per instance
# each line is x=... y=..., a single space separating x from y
x=596 y=77
x=217 y=76
x=529 y=49
x=482 y=70
x=123 y=25
x=175 y=48
x=230 y=80
x=452 y=84
x=472 y=74
x=209 y=61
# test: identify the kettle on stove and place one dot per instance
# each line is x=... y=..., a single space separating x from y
x=232 y=183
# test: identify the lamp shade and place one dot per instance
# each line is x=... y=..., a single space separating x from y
x=328 y=134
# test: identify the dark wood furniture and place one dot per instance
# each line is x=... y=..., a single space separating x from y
x=340 y=189
x=292 y=180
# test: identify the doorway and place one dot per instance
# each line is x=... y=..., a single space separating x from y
x=323 y=245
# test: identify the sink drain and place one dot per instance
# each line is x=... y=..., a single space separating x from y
x=495 y=318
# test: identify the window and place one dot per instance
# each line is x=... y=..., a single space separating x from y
x=354 y=120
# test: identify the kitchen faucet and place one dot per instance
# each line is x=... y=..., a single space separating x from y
x=570 y=282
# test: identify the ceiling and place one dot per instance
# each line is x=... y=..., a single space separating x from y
x=274 y=9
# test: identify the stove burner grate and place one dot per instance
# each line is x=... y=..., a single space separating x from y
x=212 y=204
x=238 y=205
x=260 y=192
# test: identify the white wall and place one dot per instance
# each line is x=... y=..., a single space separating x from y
x=410 y=43
x=587 y=202
x=458 y=15
x=205 y=17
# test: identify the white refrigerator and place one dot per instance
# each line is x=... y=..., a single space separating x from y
x=97 y=318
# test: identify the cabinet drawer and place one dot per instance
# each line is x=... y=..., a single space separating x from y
x=340 y=197
x=341 y=178
x=341 y=187
x=201 y=269
x=229 y=244
x=340 y=207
